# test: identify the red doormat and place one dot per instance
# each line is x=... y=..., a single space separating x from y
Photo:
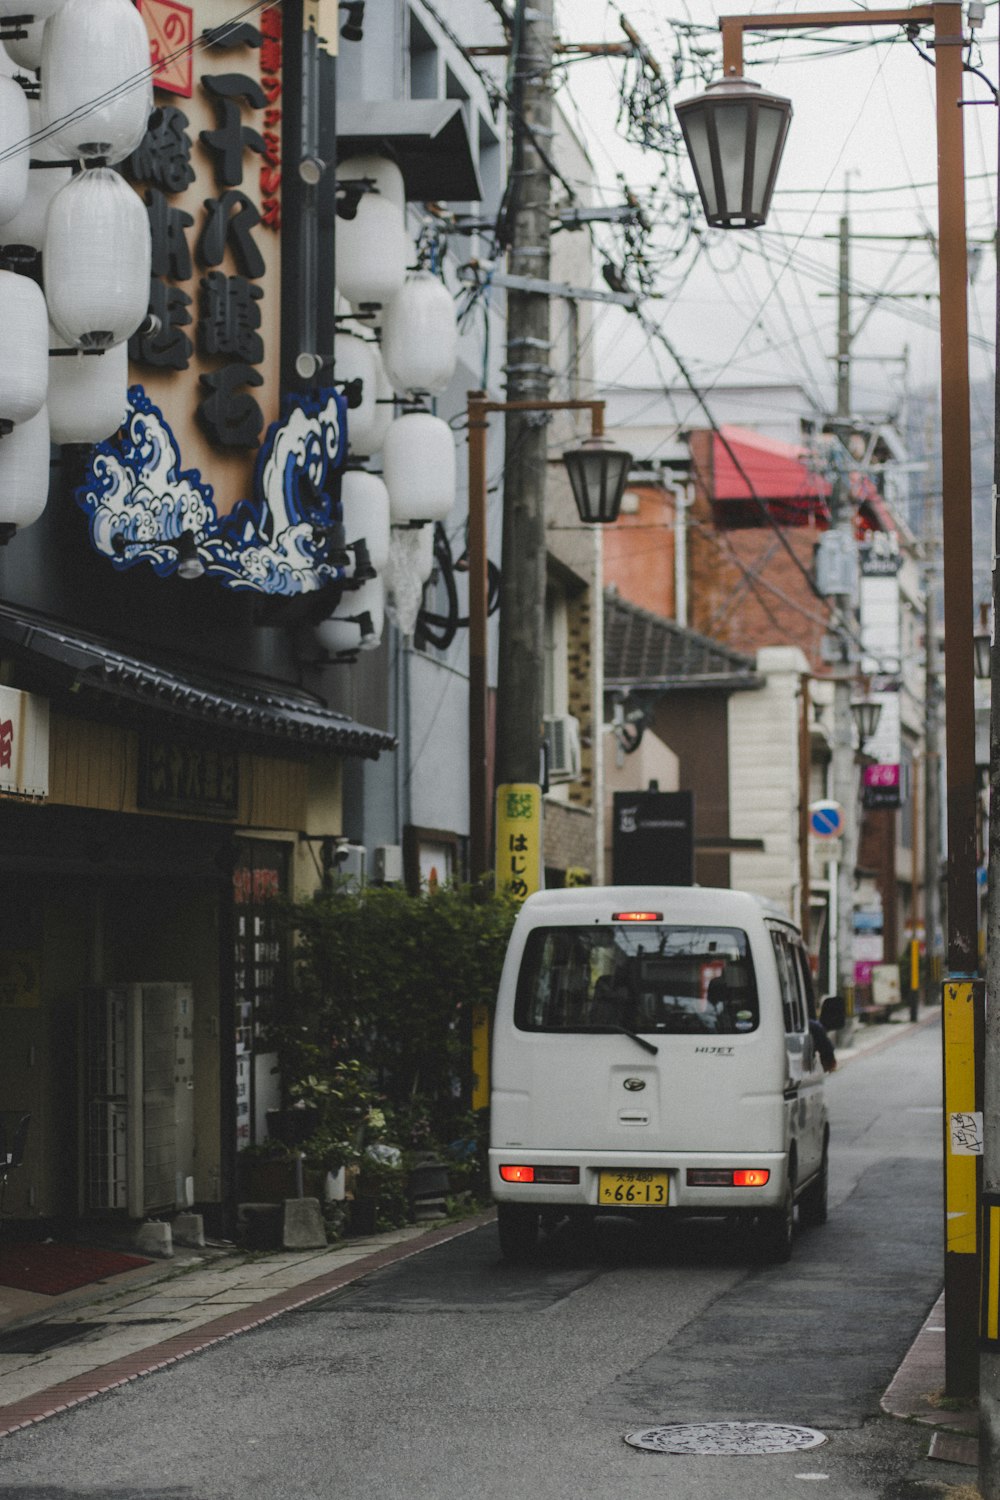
x=51 y=1269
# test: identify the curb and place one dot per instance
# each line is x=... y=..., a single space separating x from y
x=894 y=1033
x=69 y=1393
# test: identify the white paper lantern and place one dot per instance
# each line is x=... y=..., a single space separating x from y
x=418 y=464
x=14 y=131
x=354 y=359
x=36 y=10
x=341 y=633
x=420 y=336
x=372 y=252
x=88 y=395
x=24 y=471
x=97 y=86
x=26 y=51
x=27 y=227
x=96 y=260
x=383 y=173
x=24 y=348
x=365 y=501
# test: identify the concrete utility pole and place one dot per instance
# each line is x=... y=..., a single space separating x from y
x=844 y=772
x=523 y=571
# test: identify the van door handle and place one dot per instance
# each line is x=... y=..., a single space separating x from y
x=632 y=1117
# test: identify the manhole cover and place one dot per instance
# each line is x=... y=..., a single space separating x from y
x=726 y=1437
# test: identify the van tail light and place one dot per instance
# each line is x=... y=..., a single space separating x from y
x=637 y=916
x=726 y=1177
x=520 y=1173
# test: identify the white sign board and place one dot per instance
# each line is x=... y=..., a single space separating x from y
x=24 y=744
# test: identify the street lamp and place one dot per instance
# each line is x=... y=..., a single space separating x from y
x=598 y=474
x=866 y=713
x=735 y=134
x=963 y=999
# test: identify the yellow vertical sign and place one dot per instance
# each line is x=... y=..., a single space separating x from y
x=989 y=1326
x=519 y=839
x=963 y=1123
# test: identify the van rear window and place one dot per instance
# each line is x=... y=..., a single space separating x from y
x=661 y=979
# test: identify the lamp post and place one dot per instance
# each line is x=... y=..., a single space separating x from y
x=727 y=133
x=598 y=473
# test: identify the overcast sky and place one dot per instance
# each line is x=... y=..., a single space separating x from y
x=747 y=305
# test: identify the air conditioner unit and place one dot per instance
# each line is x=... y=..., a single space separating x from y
x=562 y=736
x=387 y=866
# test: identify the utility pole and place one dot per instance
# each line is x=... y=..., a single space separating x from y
x=843 y=768
x=932 y=785
x=523 y=571
x=989 y=1358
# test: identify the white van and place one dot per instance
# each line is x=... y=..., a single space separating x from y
x=652 y=1053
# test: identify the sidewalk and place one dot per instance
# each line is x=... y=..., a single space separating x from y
x=56 y=1352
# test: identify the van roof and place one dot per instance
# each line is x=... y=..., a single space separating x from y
x=677 y=902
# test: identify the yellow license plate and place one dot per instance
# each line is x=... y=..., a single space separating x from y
x=633 y=1189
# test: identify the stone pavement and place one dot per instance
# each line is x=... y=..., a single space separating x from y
x=144 y=1319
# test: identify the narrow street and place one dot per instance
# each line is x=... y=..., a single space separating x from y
x=451 y=1374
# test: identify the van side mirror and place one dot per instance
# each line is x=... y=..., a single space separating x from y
x=833 y=1013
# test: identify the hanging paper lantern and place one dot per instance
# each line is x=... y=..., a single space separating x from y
x=88 y=395
x=24 y=348
x=418 y=464
x=24 y=471
x=26 y=51
x=343 y=632
x=354 y=360
x=27 y=227
x=372 y=252
x=380 y=171
x=385 y=411
x=14 y=131
x=97 y=91
x=365 y=502
x=35 y=10
x=420 y=336
x=97 y=298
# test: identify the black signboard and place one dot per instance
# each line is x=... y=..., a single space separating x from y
x=653 y=838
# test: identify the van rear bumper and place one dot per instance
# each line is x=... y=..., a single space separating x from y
x=681 y=1193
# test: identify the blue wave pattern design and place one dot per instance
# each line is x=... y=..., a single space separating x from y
x=135 y=488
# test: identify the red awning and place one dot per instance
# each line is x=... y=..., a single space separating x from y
x=776 y=470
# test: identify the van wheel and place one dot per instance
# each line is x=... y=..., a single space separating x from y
x=813 y=1206
x=517 y=1226
x=776 y=1231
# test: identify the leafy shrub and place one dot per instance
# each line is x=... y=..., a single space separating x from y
x=379 y=1015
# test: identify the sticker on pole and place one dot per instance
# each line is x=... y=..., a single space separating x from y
x=826 y=820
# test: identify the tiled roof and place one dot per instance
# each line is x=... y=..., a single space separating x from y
x=643 y=650
x=105 y=672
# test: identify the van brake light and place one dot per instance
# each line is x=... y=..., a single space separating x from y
x=517 y=1174
x=521 y=1173
x=637 y=916
x=725 y=1177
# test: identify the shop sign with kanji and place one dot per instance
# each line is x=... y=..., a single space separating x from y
x=519 y=839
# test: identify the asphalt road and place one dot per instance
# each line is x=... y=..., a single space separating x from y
x=450 y=1375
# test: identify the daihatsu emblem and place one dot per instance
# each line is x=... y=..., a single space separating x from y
x=635 y=1084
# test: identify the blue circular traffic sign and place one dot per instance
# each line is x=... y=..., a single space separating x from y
x=826 y=820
